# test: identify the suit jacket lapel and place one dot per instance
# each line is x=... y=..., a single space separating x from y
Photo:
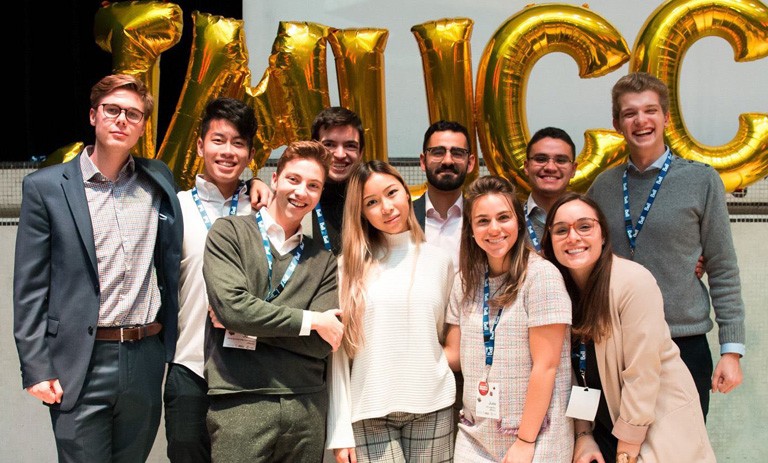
x=74 y=192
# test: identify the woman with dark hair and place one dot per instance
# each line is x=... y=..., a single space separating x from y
x=391 y=389
x=508 y=322
x=649 y=409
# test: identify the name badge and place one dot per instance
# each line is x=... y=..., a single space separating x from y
x=239 y=341
x=583 y=403
x=488 y=395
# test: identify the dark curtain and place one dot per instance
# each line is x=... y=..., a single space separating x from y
x=61 y=62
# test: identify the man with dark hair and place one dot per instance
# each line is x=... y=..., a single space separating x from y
x=341 y=132
x=275 y=292
x=550 y=164
x=226 y=146
x=96 y=284
x=446 y=159
x=664 y=212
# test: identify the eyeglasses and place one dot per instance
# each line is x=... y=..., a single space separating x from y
x=112 y=111
x=584 y=227
x=438 y=152
x=542 y=159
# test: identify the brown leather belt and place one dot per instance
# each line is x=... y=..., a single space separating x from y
x=127 y=333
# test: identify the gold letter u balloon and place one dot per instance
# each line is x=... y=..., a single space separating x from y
x=661 y=45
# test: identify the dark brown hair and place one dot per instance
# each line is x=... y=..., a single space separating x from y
x=591 y=307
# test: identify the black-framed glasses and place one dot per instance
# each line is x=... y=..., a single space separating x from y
x=583 y=226
x=438 y=152
x=112 y=111
x=560 y=160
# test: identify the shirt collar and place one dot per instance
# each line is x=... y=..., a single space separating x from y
x=657 y=164
x=531 y=204
x=208 y=191
x=456 y=209
x=275 y=232
x=91 y=173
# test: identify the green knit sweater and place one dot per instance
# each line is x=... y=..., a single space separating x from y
x=235 y=271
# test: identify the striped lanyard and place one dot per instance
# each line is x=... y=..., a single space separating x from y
x=631 y=230
x=273 y=293
x=201 y=209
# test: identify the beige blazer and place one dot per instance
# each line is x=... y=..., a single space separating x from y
x=650 y=392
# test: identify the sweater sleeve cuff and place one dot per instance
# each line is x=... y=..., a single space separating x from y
x=628 y=432
x=733 y=348
x=306 y=324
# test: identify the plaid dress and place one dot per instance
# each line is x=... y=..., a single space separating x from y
x=542 y=300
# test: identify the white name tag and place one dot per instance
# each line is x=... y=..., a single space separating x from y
x=488 y=395
x=239 y=341
x=583 y=403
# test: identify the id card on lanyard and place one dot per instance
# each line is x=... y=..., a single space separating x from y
x=584 y=401
x=488 y=394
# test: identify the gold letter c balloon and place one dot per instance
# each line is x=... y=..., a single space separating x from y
x=596 y=46
x=661 y=45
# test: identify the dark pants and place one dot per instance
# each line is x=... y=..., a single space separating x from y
x=116 y=417
x=260 y=428
x=694 y=350
x=186 y=404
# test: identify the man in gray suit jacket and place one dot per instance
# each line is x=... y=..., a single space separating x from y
x=96 y=284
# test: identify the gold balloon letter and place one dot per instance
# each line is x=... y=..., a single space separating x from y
x=136 y=33
x=359 y=55
x=659 y=50
x=447 y=61
x=218 y=66
x=596 y=46
x=298 y=59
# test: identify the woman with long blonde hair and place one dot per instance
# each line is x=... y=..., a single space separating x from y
x=391 y=389
x=507 y=330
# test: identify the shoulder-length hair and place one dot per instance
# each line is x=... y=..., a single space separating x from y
x=473 y=261
x=591 y=307
x=361 y=245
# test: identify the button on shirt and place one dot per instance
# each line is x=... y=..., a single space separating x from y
x=124 y=216
x=283 y=245
x=193 y=299
x=445 y=233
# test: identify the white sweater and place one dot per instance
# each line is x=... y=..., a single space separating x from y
x=401 y=366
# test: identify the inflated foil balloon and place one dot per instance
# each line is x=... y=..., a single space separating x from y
x=659 y=50
x=218 y=66
x=299 y=67
x=447 y=61
x=596 y=46
x=136 y=33
x=268 y=103
x=359 y=56
x=64 y=154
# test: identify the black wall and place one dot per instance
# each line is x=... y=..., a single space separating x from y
x=61 y=62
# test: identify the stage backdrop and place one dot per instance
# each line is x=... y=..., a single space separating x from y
x=714 y=89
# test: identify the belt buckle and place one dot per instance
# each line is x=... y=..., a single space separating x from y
x=122 y=333
x=122 y=337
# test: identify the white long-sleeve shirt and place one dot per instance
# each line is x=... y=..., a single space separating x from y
x=401 y=366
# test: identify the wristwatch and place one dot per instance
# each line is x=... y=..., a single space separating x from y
x=623 y=457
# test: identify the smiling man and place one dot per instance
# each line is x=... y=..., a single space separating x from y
x=96 y=284
x=274 y=289
x=664 y=212
x=226 y=146
x=446 y=159
x=341 y=132
x=550 y=164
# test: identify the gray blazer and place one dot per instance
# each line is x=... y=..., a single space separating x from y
x=55 y=281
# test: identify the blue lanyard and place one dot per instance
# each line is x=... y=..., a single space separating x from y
x=323 y=229
x=583 y=362
x=489 y=331
x=632 y=232
x=201 y=209
x=531 y=231
x=273 y=293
